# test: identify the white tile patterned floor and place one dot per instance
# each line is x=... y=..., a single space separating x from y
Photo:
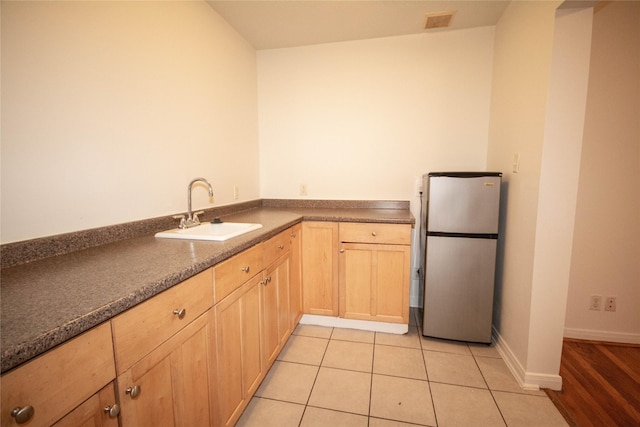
x=342 y=377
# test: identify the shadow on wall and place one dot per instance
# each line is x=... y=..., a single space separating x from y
x=504 y=202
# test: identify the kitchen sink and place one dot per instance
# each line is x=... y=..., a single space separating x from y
x=218 y=232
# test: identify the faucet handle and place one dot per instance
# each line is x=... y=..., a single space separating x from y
x=195 y=216
x=182 y=219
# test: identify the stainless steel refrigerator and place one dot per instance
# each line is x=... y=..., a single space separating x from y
x=460 y=214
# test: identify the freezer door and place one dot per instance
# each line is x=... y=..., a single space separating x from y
x=458 y=297
x=464 y=204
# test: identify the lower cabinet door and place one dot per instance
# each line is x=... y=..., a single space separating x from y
x=170 y=386
x=238 y=352
x=320 y=268
x=100 y=410
x=374 y=282
x=295 y=276
x=276 y=324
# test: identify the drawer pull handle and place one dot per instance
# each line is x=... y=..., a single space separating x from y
x=280 y=246
x=133 y=391
x=245 y=269
x=373 y=233
x=113 y=411
x=180 y=313
x=22 y=415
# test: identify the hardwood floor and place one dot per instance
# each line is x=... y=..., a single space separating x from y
x=600 y=384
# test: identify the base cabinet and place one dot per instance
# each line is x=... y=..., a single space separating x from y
x=295 y=275
x=375 y=268
x=163 y=356
x=374 y=282
x=238 y=353
x=60 y=382
x=320 y=268
x=275 y=302
x=170 y=386
x=357 y=270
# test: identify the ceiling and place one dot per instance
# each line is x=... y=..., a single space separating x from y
x=268 y=24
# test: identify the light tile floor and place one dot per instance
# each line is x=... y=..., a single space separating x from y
x=342 y=377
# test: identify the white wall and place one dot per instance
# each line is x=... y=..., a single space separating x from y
x=606 y=254
x=554 y=49
x=364 y=119
x=109 y=109
x=523 y=46
x=361 y=120
x=559 y=172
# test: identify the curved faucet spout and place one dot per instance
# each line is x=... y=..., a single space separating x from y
x=191 y=220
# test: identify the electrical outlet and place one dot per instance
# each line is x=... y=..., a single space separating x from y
x=595 y=302
x=303 y=189
x=610 y=304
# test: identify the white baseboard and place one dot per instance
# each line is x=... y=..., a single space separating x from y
x=526 y=380
x=365 y=325
x=594 y=335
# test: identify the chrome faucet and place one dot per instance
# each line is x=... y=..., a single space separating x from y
x=192 y=219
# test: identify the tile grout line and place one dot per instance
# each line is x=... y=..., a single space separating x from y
x=306 y=405
x=475 y=360
x=424 y=361
x=373 y=358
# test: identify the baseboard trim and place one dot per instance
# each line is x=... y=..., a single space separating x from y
x=607 y=336
x=526 y=380
x=365 y=325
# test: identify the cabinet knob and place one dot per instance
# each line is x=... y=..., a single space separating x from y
x=180 y=313
x=133 y=391
x=341 y=250
x=373 y=233
x=113 y=411
x=245 y=269
x=293 y=235
x=280 y=246
x=23 y=415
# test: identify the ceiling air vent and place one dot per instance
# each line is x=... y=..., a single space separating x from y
x=438 y=19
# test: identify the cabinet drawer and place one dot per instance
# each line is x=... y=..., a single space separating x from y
x=391 y=234
x=141 y=329
x=229 y=275
x=61 y=379
x=276 y=246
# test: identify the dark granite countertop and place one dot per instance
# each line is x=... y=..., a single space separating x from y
x=48 y=301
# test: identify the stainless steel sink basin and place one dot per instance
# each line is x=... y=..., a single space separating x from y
x=218 y=232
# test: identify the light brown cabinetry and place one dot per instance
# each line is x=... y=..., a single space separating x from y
x=276 y=295
x=295 y=275
x=374 y=271
x=237 y=351
x=252 y=321
x=230 y=274
x=55 y=383
x=163 y=357
x=100 y=410
x=192 y=355
x=357 y=270
x=320 y=267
